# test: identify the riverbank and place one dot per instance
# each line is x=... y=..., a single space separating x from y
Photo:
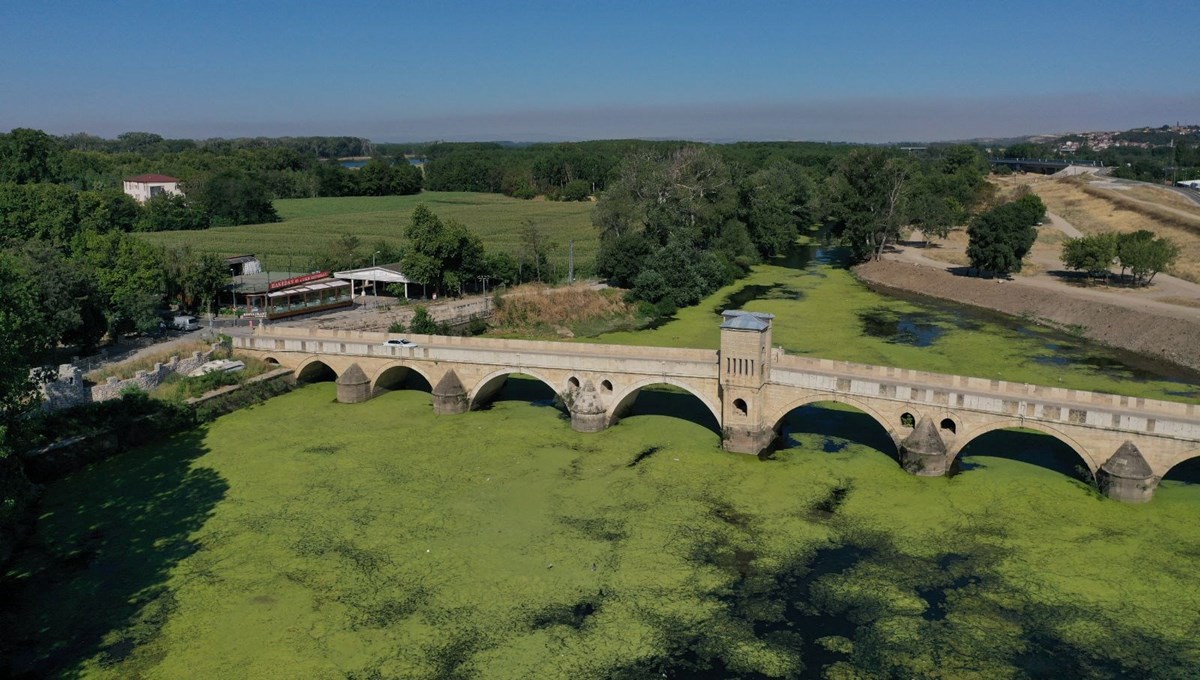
x=1147 y=331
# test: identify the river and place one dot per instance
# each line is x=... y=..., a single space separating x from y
x=306 y=538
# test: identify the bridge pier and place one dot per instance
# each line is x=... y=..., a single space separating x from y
x=587 y=411
x=1126 y=476
x=923 y=452
x=449 y=396
x=746 y=439
x=353 y=386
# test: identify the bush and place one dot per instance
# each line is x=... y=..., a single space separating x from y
x=577 y=190
x=423 y=323
x=1002 y=236
x=1092 y=254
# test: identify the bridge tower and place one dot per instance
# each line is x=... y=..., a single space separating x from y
x=745 y=359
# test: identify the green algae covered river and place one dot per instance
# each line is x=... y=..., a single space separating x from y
x=303 y=538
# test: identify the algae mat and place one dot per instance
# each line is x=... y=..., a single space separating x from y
x=306 y=538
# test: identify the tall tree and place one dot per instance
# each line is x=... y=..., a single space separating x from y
x=29 y=156
x=445 y=255
x=776 y=202
x=865 y=198
x=129 y=277
x=26 y=335
x=1001 y=237
x=1092 y=254
x=232 y=197
x=1144 y=255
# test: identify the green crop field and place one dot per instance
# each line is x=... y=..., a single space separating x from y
x=310 y=223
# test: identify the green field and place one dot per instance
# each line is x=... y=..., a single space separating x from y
x=310 y=223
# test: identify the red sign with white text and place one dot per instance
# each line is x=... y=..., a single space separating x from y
x=297 y=280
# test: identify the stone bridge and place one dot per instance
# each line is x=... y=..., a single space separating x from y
x=1128 y=443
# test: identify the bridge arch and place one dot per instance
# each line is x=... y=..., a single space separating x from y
x=314 y=369
x=891 y=428
x=489 y=384
x=379 y=380
x=625 y=398
x=975 y=433
x=1192 y=457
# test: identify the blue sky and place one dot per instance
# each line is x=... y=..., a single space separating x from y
x=391 y=71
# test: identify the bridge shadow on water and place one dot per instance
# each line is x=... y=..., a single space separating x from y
x=1187 y=472
x=92 y=580
x=666 y=400
x=836 y=425
x=528 y=389
x=316 y=371
x=403 y=379
x=1023 y=446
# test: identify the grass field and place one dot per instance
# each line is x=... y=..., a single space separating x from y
x=310 y=223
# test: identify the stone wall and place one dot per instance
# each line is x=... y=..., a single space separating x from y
x=70 y=389
x=67 y=389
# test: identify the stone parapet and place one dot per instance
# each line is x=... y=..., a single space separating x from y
x=70 y=389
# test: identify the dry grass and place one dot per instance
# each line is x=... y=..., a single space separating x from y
x=127 y=369
x=538 y=309
x=1093 y=210
x=1181 y=301
x=1172 y=216
x=1161 y=196
x=952 y=249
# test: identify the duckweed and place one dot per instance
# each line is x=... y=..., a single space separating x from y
x=307 y=538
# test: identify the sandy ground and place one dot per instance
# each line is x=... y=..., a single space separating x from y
x=1162 y=320
x=1092 y=214
x=1044 y=269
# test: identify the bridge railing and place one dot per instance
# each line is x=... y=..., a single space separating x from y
x=961 y=383
x=659 y=354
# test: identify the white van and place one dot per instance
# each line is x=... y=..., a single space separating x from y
x=186 y=323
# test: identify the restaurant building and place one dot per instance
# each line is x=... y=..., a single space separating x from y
x=305 y=294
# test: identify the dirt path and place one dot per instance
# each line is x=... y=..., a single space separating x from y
x=1168 y=296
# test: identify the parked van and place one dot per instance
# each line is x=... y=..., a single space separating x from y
x=186 y=323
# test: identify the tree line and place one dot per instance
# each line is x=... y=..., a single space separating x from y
x=676 y=224
x=574 y=171
x=258 y=170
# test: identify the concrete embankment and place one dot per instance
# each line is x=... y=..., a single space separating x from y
x=1150 y=333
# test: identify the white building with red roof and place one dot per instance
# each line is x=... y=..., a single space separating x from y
x=145 y=187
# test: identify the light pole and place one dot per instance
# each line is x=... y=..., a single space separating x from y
x=374 y=275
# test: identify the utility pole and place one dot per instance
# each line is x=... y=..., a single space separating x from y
x=571 y=262
x=374 y=276
x=1174 y=165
